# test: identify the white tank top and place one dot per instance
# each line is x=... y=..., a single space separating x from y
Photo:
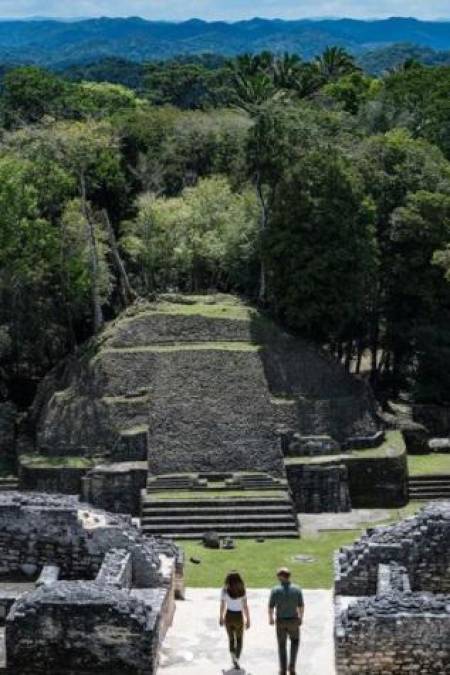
x=232 y=604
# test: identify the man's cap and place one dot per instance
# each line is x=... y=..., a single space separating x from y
x=284 y=572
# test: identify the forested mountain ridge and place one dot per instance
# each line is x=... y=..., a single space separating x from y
x=50 y=42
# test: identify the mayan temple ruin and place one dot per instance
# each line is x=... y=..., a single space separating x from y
x=192 y=416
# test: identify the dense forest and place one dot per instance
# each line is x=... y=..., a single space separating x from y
x=310 y=187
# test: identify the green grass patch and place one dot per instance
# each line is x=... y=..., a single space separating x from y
x=186 y=347
x=235 y=313
x=258 y=562
x=428 y=465
x=393 y=446
x=214 y=307
x=43 y=462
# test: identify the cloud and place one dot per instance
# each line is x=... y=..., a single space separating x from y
x=226 y=9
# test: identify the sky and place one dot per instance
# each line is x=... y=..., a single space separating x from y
x=229 y=10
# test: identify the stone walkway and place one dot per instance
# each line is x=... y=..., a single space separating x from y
x=196 y=645
x=314 y=523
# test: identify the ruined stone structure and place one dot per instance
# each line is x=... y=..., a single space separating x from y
x=102 y=595
x=204 y=386
x=401 y=621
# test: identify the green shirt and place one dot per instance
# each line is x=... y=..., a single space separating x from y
x=286 y=598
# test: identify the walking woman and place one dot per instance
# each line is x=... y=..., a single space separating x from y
x=233 y=611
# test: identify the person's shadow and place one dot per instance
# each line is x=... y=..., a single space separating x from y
x=233 y=671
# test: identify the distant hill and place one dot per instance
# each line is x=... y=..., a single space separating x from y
x=55 y=43
x=381 y=60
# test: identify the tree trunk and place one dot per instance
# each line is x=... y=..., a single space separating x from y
x=262 y=295
x=127 y=292
x=348 y=355
x=98 y=320
x=359 y=357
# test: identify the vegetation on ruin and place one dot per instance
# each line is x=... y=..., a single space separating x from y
x=392 y=446
x=55 y=462
x=310 y=187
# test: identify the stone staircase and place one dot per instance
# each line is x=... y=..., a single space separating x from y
x=427 y=488
x=9 y=484
x=241 y=506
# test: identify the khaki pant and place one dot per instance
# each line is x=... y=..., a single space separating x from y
x=234 y=623
x=288 y=628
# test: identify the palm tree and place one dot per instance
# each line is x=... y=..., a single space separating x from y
x=257 y=93
x=334 y=63
x=287 y=70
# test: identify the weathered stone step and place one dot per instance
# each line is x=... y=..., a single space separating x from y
x=425 y=496
x=430 y=477
x=217 y=510
x=217 y=526
x=187 y=519
x=429 y=487
x=9 y=484
x=223 y=502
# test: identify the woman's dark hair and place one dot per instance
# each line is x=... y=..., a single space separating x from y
x=234 y=585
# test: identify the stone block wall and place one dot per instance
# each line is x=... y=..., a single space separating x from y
x=421 y=544
x=378 y=482
x=213 y=412
x=81 y=628
x=116 y=487
x=62 y=480
x=318 y=489
x=394 y=634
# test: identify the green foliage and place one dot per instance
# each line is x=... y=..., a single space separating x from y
x=351 y=91
x=30 y=93
x=417 y=98
x=99 y=99
x=187 y=85
x=204 y=238
x=319 y=262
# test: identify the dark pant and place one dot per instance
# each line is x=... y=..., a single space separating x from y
x=234 y=623
x=288 y=628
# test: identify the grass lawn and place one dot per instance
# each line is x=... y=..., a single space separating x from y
x=258 y=562
x=426 y=465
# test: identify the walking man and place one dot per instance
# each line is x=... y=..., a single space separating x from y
x=287 y=600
